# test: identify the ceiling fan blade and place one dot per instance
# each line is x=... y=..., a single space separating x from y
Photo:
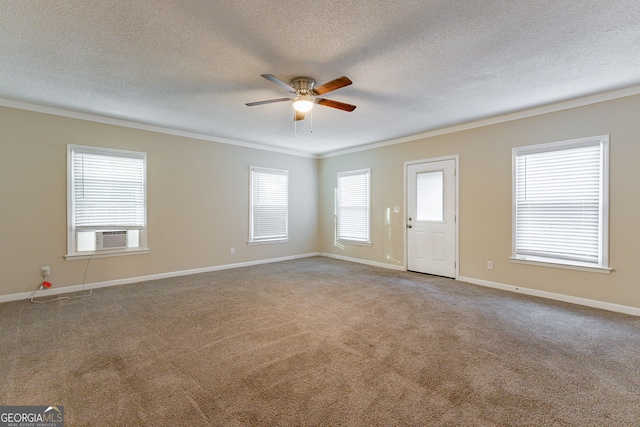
x=268 y=101
x=279 y=82
x=335 y=104
x=299 y=115
x=332 y=85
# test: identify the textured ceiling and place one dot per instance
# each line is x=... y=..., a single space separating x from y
x=416 y=66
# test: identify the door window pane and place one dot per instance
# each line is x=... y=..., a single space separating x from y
x=430 y=196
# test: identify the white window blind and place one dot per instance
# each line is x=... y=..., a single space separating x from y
x=108 y=189
x=353 y=206
x=560 y=202
x=269 y=204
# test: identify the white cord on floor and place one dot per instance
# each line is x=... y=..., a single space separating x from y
x=84 y=280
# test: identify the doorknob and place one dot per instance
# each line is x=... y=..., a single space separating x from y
x=409 y=225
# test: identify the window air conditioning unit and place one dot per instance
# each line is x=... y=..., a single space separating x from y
x=111 y=239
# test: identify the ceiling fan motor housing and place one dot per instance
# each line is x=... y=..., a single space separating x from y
x=303 y=85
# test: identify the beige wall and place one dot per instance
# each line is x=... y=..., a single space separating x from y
x=485 y=199
x=197 y=195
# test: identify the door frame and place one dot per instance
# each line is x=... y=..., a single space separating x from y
x=456 y=159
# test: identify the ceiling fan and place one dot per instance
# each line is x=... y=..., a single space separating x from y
x=306 y=94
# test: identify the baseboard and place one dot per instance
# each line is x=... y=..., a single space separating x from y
x=634 y=311
x=128 y=280
x=363 y=261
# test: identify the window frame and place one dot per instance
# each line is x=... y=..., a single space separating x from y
x=602 y=266
x=367 y=241
x=253 y=240
x=72 y=231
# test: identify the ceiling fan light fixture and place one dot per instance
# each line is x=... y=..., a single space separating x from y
x=303 y=103
x=305 y=94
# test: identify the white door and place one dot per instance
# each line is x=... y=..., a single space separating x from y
x=431 y=217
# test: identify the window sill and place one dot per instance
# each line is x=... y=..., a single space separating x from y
x=354 y=242
x=263 y=242
x=561 y=264
x=107 y=254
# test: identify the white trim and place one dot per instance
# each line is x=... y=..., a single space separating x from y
x=634 y=311
x=107 y=253
x=72 y=252
x=531 y=112
x=368 y=173
x=264 y=242
x=456 y=173
x=558 y=264
x=129 y=280
x=259 y=169
x=56 y=111
x=364 y=261
x=354 y=242
x=602 y=141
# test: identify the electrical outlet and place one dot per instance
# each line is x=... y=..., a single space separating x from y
x=489 y=265
x=45 y=271
x=232 y=251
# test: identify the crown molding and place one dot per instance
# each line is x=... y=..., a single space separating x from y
x=537 y=111
x=55 y=111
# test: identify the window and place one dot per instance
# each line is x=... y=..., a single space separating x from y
x=560 y=203
x=353 y=206
x=269 y=205
x=106 y=196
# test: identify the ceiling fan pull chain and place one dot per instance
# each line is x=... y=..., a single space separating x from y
x=295 y=125
x=311 y=121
